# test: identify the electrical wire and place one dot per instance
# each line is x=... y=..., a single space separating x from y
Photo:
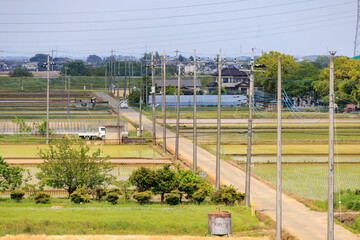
x=181 y=24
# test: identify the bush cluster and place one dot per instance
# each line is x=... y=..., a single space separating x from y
x=42 y=197
x=349 y=198
x=17 y=195
x=172 y=184
x=80 y=195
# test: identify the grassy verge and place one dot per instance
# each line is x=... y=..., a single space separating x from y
x=123 y=218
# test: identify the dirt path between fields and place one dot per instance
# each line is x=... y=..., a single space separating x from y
x=112 y=237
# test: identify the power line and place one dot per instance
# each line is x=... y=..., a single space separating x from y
x=154 y=18
x=125 y=10
x=177 y=25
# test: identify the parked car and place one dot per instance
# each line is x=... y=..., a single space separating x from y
x=124 y=104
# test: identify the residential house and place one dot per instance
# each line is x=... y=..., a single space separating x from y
x=186 y=84
x=233 y=80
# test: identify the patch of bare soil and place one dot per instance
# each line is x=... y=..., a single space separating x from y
x=347 y=219
x=111 y=237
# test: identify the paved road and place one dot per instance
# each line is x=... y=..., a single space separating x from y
x=297 y=219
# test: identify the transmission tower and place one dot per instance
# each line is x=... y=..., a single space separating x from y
x=357 y=34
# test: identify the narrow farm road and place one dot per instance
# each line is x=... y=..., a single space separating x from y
x=297 y=219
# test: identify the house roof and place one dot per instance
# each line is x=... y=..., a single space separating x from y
x=232 y=72
x=183 y=83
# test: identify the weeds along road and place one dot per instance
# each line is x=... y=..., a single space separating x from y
x=297 y=219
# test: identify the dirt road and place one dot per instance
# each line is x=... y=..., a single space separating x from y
x=297 y=219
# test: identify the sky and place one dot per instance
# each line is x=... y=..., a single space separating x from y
x=79 y=28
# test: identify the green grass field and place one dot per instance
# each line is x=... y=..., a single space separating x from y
x=146 y=151
x=290 y=149
x=310 y=180
x=123 y=218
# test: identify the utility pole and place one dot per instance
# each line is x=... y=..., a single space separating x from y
x=141 y=99
x=132 y=74
x=278 y=158
x=195 y=120
x=330 y=233
x=218 y=138
x=129 y=77
x=124 y=94
x=118 y=85
x=249 y=134
x=106 y=75
x=177 y=117
x=47 y=99
x=118 y=123
x=146 y=84
x=164 y=102
x=153 y=96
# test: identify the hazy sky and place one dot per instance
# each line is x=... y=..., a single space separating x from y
x=83 y=27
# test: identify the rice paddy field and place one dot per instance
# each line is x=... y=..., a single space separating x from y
x=310 y=180
x=130 y=151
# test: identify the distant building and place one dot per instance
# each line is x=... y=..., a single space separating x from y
x=4 y=67
x=186 y=85
x=233 y=80
x=31 y=66
x=189 y=69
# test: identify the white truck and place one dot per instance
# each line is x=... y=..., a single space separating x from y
x=93 y=135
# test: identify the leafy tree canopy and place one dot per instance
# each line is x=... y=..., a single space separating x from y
x=40 y=58
x=346 y=79
x=20 y=72
x=68 y=167
x=76 y=68
x=94 y=59
x=10 y=177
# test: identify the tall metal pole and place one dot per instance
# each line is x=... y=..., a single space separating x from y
x=218 y=139
x=141 y=99
x=129 y=64
x=153 y=97
x=118 y=85
x=106 y=74
x=330 y=234
x=195 y=120
x=68 y=92
x=118 y=124
x=47 y=99
x=177 y=117
x=146 y=85
x=278 y=158
x=124 y=94
x=164 y=103
x=132 y=74
x=249 y=134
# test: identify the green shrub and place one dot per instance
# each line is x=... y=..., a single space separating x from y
x=112 y=197
x=227 y=195
x=142 y=197
x=17 y=195
x=116 y=191
x=99 y=193
x=200 y=195
x=42 y=197
x=173 y=198
x=356 y=224
x=80 y=195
